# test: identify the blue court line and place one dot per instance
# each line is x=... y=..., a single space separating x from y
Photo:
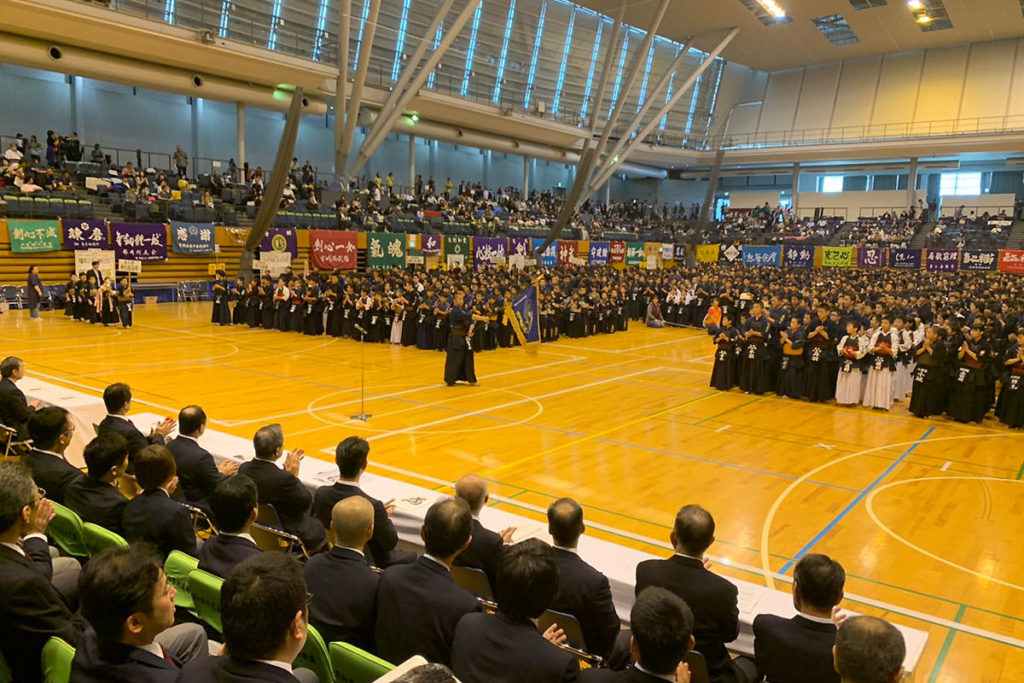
x=863 y=494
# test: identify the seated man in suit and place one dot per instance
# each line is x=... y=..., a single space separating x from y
x=264 y=616
x=661 y=634
x=418 y=604
x=96 y=497
x=15 y=410
x=31 y=609
x=282 y=488
x=799 y=650
x=507 y=647
x=233 y=505
x=118 y=400
x=51 y=431
x=583 y=591
x=351 y=456
x=130 y=609
x=712 y=598
x=485 y=548
x=152 y=516
x=868 y=650
x=346 y=615
x=198 y=474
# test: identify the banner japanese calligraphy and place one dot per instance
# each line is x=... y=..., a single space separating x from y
x=80 y=235
x=762 y=256
x=549 y=258
x=797 y=257
x=679 y=254
x=489 y=251
x=1011 y=261
x=385 y=249
x=707 y=253
x=568 y=252
x=941 y=260
x=905 y=258
x=598 y=253
x=431 y=244
x=667 y=252
x=333 y=249
x=139 y=241
x=634 y=253
x=870 y=257
x=836 y=257
x=519 y=246
x=34 y=236
x=616 y=252
x=730 y=253
x=979 y=259
x=281 y=240
x=192 y=238
x=457 y=245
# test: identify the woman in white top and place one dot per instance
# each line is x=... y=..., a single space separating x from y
x=852 y=349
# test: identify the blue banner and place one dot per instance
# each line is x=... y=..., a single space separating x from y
x=762 y=256
x=549 y=259
x=192 y=238
x=979 y=259
x=909 y=259
x=523 y=314
x=599 y=253
x=280 y=240
x=798 y=257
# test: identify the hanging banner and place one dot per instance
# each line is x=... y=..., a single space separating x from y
x=616 y=252
x=519 y=246
x=941 y=260
x=979 y=259
x=489 y=251
x=431 y=244
x=333 y=249
x=870 y=257
x=667 y=252
x=281 y=240
x=79 y=235
x=457 y=245
x=836 y=257
x=598 y=253
x=798 y=257
x=192 y=238
x=634 y=253
x=34 y=236
x=385 y=249
x=549 y=258
x=905 y=258
x=567 y=252
x=762 y=256
x=730 y=253
x=1011 y=261
x=85 y=257
x=679 y=253
x=139 y=241
x=707 y=253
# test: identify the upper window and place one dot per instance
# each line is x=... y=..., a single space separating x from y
x=832 y=183
x=960 y=184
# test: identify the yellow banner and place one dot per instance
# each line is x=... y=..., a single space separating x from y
x=707 y=253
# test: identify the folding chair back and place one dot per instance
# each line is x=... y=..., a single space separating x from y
x=98 y=539
x=315 y=656
x=474 y=580
x=56 y=661
x=67 y=531
x=352 y=665
x=205 y=590
x=177 y=567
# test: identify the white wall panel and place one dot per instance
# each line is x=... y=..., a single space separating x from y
x=938 y=97
x=897 y=88
x=780 y=101
x=988 y=80
x=817 y=97
x=854 y=100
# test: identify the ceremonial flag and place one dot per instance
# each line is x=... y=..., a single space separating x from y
x=523 y=314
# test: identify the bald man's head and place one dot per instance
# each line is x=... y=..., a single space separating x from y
x=472 y=489
x=869 y=650
x=352 y=522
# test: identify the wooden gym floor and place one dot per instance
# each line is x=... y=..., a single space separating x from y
x=920 y=512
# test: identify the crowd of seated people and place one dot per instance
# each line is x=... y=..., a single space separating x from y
x=967 y=229
x=887 y=230
x=806 y=230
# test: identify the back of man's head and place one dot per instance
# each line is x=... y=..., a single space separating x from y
x=818 y=582
x=114 y=585
x=17 y=489
x=473 y=489
x=694 y=530
x=427 y=673
x=154 y=467
x=191 y=419
x=565 y=522
x=527 y=579
x=662 y=628
x=259 y=601
x=267 y=441
x=447 y=527
x=9 y=366
x=869 y=650
x=352 y=522
x=104 y=453
x=232 y=502
x=350 y=455
x=115 y=396
x=46 y=425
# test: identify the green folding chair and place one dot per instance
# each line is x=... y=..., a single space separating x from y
x=6 y=676
x=98 y=539
x=205 y=590
x=315 y=656
x=352 y=665
x=67 y=531
x=56 y=661
x=177 y=568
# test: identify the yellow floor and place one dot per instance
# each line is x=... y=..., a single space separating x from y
x=920 y=512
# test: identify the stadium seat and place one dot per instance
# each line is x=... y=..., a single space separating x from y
x=352 y=665
x=68 y=531
x=98 y=539
x=570 y=625
x=698 y=667
x=177 y=568
x=56 y=661
x=41 y=206
x=205 y=590
x=315 y=656
x=474 y=580
x=57 y=207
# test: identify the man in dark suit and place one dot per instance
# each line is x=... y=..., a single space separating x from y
x=347 y=615
x=130 y=608
x=31 y=609
x=351 y=457
x=418 y=604
x=507 y=647
x=661 y=634
x=712 y=599
x=583 y=591
x=265 y=621
x=14 y=409
x=152 y=516
x=95 y=497
x=485 y=548
x=95 y=272
x=282 y=488
x=51 y=431
x=233 y=505
x=799 y=650
x=118 y=400
x=198 y=474
x=869 y=649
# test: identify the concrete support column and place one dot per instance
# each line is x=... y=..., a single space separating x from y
x=912 y=184
x=526 y=177
x=240 y=118
x=77 y=118
x=194 y=112
x=608 y=192
x=709 y=194
x=412 y=160
x=796 y=190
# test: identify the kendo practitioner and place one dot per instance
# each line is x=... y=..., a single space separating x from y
x=791 y=366
x=753 y=373
x=852 y=349
x=724 y=373
x=818 y=353
x=929 y=386
x=349 y=311
x=282 y=306
x=882 y=350
x=410 y=316
x=459 y=364
x=81 y=291
x=313 y=312
x=107 y=304
x=125 y=302
x=425 y=321
x=70 y=297
x=442 y=325
x=240 y=297
x=296 y=309
x=221 y=312
x=333 y=297
x=968 y=399
x=1010 y=407
x=90 y=292
x=252 y=303
x=266 y=294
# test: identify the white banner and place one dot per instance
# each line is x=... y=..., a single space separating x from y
x=456 y=260
x=85 y=257
x=273 y=262
x=414 y=259
x=129 y=266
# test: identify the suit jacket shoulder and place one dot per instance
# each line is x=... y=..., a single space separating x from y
x=97 y=662
x=496 y=649
x=228 y=669
x=51 y=473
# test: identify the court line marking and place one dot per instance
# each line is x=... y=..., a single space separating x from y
x=946 y=466
x=869 y=504
x=946 y=645
x=722 y=429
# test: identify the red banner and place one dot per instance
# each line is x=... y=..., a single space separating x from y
x=568 y=250
x=617 y=252
x=333 y=249
x=1011 y=261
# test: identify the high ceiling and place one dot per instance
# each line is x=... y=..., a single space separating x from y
x=880 y=30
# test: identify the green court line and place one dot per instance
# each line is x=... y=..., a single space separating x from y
x=946 y=646
x=726 y=412
x=1020 y=473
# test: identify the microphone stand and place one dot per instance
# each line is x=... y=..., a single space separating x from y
x=363 y=416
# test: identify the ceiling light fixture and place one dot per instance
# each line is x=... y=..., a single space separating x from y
x=924 y=19
x=773 y=8
x=915 y=5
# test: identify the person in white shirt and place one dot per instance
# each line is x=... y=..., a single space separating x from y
x=12 y=153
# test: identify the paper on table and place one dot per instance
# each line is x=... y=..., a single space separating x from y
x=525 y=531
x=749 y=596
